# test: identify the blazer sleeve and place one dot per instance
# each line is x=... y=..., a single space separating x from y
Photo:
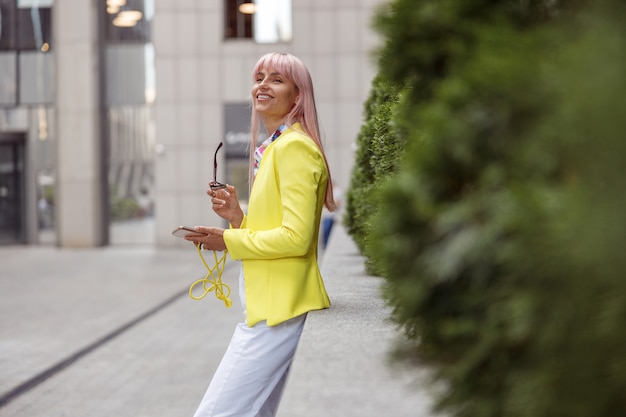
x=299 y=170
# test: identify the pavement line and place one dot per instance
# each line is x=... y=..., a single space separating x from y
x=59 y=366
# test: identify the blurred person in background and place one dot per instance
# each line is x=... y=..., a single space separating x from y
x=329 y=217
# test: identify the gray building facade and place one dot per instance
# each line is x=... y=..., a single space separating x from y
x=111 y=110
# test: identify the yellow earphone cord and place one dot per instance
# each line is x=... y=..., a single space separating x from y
x=222 y=291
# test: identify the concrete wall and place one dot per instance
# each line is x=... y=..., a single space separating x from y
x=79 y=187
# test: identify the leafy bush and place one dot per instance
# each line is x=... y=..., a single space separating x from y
x=123 y=207
x=379 y=146
x=499 y=234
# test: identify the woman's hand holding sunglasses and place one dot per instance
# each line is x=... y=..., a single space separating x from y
x=226 y=204
x=224 y=197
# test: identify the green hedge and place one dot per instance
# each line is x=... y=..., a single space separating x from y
x=379 y=147
x=499 y=235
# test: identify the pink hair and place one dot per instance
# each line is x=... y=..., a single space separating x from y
x=304 y=111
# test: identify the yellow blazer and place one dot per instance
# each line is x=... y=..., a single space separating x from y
x=277 y=240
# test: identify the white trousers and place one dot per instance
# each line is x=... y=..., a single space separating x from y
x=250 y=379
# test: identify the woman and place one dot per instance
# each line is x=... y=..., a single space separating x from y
x=276 y=240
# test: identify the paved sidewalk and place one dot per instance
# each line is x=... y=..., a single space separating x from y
x=112 y=332
x=342 y=367
x=56 y=303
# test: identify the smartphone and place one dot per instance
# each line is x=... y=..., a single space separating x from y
x=182 y=231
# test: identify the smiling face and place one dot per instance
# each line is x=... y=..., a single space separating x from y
x=273 y=97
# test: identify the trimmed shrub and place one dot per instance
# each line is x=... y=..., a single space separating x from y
x=499 y=234
x=379 y=146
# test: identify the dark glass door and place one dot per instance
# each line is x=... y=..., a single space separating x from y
x=12 y=224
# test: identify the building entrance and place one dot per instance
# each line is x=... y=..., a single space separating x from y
x=12 y=192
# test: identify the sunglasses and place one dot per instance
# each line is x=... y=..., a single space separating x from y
x=214 y=184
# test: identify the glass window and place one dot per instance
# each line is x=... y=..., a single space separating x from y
x=25 y=30
x=127 y=68
x=34 y=30
x=238 y=25
x=272 y=21
x=25 y=25
x=8 y=77
x=36 y=78
x=12 y=159
x=130 y=93
x=129 y=20
x=265 y=21
x=8 y=25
